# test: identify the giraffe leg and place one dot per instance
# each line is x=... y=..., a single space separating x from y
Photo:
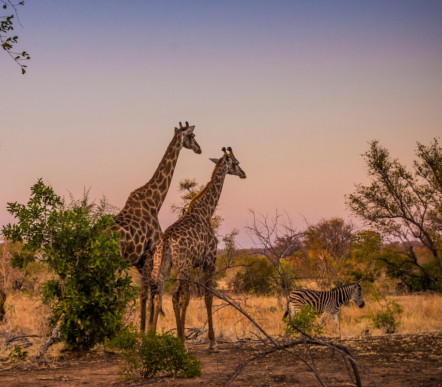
x=184 y=302
x=208 y=298
x=143 y=299
x=176 y=308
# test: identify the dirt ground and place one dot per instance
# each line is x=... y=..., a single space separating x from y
x=392 y=360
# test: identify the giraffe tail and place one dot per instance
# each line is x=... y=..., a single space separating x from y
x=153 y=292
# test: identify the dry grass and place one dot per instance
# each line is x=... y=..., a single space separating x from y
x=26 y=315
x=421 y=313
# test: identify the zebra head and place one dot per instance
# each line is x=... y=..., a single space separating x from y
x=356 y=295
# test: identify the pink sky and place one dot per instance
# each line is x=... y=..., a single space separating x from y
x=297 y=89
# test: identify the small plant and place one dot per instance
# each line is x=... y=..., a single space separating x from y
x=17 y=353
x=150 y=355
x=387 y=317
x=304 y=321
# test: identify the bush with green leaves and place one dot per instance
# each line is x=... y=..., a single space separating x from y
x=257 y=277
x=17 y=353
x=304 y=321
x=150 y=355
x=387 y=318
x=91 y=287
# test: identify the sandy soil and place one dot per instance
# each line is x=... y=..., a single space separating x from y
x=395 y=360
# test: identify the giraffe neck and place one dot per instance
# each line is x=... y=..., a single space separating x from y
x=207 y=200
x=161 y=179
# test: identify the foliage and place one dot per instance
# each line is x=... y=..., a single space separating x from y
x=387 y=317
x=328 y=244
x=17 y=353
x=149 y=355
x=257 y=277
x=7 y=37
x=91 y=286
x=304 y=321
x=406 y=207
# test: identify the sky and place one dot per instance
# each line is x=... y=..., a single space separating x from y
x=298 y=89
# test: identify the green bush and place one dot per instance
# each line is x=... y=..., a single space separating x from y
x=387 y=317
x=305 y=321
x=257 y=278
x=149 y=355
x=91 y=287
x=17 y=353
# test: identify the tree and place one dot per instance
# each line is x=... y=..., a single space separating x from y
x=8 y=39
x=405 y=207
x=276 y=238
x=91 y=287
x=329 y=243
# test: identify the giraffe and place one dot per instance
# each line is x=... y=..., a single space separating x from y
x=189 y=243
x=138 y=222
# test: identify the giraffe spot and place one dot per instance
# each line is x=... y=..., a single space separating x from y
x=130 y=248
x=163 y=185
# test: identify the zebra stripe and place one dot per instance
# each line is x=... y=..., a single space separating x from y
x=327 y=302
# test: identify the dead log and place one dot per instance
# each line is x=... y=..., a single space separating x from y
x=55 y=336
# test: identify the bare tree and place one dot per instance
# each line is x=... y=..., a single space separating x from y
x=276 y=239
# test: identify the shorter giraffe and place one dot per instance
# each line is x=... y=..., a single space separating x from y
x=190 y=243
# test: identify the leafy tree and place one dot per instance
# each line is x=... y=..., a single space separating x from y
x=8 y=39
x=329 y=242
x=257 y=277
x=91 y=288
x=405 y=207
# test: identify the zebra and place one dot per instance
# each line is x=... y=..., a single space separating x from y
x=326 y=302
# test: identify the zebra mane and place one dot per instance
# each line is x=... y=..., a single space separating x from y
x=347 y=286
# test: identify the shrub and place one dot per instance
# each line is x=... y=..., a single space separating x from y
x=305 y=321
x=387 y=317
x=17 y=353
x=149 y=355
x=91 y=286
x=257 y=278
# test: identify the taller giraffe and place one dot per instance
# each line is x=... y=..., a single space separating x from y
x=189 y=243
x=138 y=220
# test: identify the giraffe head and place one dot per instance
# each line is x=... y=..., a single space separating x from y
x=187 y=137
x=232 y=163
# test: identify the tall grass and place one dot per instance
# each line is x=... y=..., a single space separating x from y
x=421 y=313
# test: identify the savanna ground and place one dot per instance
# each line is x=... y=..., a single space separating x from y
x=409 y=357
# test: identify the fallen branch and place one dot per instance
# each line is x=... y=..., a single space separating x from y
x=307 y=339
x=18 y=338
x=55 y=336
